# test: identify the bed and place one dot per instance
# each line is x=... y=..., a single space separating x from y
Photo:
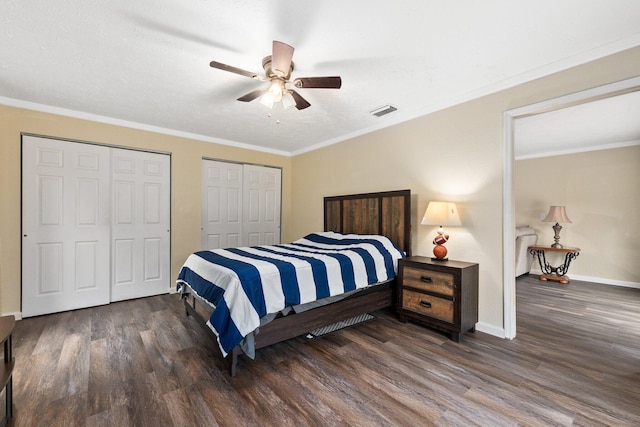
x=379 y=222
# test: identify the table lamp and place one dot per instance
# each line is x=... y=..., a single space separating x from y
x=557 y=214
x=441 y=214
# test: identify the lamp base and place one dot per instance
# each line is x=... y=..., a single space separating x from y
x=440 y=252
x=556 y=236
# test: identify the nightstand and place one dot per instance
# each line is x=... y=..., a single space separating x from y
x=439 y=294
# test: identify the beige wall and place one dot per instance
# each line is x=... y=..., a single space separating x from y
x=186 y=158
x=602 y=198
x=455 y=154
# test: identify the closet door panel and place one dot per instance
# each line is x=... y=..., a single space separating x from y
x=65 y=225
x=140 y=229
x=261 y=192
x=221 y=204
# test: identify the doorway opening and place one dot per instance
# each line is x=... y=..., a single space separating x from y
x=586 y=96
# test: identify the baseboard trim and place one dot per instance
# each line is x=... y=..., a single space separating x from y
x=601 y=280
x=16 y=314
x=606 y=281
x=490 y=329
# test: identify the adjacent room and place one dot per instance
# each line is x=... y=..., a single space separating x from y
x=287 y=213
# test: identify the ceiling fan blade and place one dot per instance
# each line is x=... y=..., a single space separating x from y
x=252 y=95
x=231 y=69
x=281 y=58
x=301 y=103
x=334 y=82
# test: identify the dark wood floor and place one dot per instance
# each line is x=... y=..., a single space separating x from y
x=575 y=361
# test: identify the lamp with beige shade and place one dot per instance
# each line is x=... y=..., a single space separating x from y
x=441 y=214
x=557 y=214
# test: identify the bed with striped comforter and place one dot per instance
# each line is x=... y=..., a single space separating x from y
x=244 y=285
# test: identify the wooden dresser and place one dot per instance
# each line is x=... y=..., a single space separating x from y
x=439 y=294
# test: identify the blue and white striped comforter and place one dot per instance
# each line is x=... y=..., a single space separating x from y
x=245 y=284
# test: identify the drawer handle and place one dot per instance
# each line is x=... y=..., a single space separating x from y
x=425 y=304
x=426 y=279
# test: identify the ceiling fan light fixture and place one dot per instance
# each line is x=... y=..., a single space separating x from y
x=276 y=88
x=274 y=93
x=277 y=71
x=288 y=101
x=267 y=100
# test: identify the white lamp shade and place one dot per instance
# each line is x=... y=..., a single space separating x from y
x=267 y=100
x=288 y=101
x=441 y=213
x=276 y=89
x=557 y=214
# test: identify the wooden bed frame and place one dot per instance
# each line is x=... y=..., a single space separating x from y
x=386 y=213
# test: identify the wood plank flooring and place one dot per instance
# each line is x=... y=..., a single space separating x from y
x=575 y=361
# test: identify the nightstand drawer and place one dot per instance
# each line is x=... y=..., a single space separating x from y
x=438 y=308
x=429 y=280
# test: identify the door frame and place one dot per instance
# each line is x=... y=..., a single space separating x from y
x=508 y=214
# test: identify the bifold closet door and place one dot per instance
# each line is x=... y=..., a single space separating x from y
x=140 y=227
x=95 y=223
x=221 y=204
x=65 y=226
x=261 y=205
x=240 y=205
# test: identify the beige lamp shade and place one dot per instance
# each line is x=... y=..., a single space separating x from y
x=441 y=213
x=557 y=214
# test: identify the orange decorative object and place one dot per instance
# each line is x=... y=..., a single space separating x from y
x=440 y=251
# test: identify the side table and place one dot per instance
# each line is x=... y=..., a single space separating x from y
x=557 y=274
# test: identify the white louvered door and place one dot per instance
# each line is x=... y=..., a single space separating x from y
x=240 y=205
x=65 y=226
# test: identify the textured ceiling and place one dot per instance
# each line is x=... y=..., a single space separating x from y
x=145 y=63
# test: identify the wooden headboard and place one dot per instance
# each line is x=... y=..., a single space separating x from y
x=386 y=213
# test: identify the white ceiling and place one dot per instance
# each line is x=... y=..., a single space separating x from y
x=145 y=63
x=596 y=125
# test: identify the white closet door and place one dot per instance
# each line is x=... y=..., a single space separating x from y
x=261 y=205
x=221 y=204
x=140 y=227
x=65 y=226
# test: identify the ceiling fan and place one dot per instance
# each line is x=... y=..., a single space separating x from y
x=277 y=69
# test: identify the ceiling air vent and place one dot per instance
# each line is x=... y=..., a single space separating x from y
x=381 y=111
